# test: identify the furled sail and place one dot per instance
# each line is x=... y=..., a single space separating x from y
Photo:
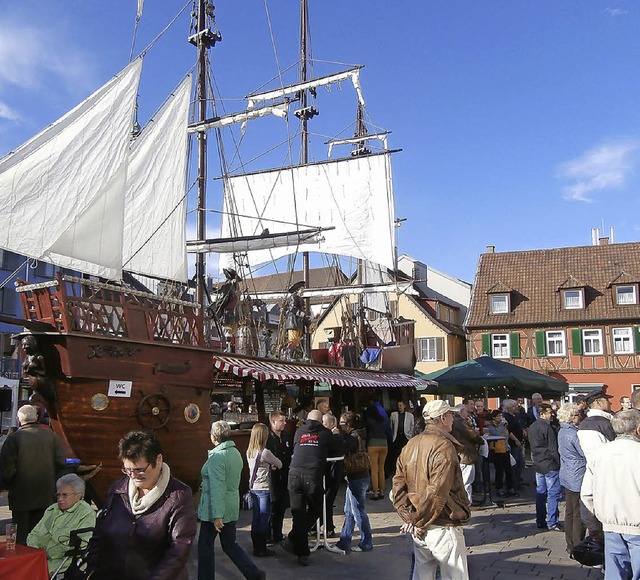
x=61 y=192
x=354 y=195
x=155 y=203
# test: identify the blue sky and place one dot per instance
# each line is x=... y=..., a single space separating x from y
x=519 y=122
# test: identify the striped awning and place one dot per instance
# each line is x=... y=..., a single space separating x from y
x=263 y=370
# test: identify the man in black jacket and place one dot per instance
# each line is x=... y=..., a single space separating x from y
x=31 y=460
x=546 y=461
x=312 y=444
x=280 y=443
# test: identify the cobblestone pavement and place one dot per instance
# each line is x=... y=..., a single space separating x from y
x=503 y=543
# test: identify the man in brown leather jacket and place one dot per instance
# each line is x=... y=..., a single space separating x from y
x=429 y=495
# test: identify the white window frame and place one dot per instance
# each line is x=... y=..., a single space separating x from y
x=500 y=346
x=570 y=305
x=592 y=343
x=427 y=349
x=622 y=339
x=556 y=343
x=623 y=290
x=500 y=304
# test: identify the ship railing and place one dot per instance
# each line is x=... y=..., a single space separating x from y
x=73 y=304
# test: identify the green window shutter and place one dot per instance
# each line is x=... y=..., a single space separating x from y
x=541 y=343
x=486 y=344
x=514 y=345
x=576 y=341
x=636 y=338
x=439 y=348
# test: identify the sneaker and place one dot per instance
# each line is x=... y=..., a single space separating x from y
x=356 y=549
x=340 y=547
x=556 y=528
x=360 y=548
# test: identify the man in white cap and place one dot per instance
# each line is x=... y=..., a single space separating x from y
x=429 y=495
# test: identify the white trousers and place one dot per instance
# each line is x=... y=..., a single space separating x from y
x=468 y=477
x=444 y=547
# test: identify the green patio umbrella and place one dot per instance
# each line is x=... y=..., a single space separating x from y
x=488 y=376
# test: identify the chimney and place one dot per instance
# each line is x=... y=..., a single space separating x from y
x=491 y=249
x=603 y=241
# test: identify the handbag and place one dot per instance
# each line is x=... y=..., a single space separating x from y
x=589 y=552
x=247 y=498
x=358 y=461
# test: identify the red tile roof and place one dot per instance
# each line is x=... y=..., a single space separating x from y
x=538 y=276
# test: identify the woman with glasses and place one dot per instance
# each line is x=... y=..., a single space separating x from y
x=53 y=532
x=148 y=524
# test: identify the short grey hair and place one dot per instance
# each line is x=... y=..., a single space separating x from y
x=220 y=431
x=75 y=482
x=28 y=414
x=508 y=403
x=567 y=412
x=626 y=422
x=329 y=421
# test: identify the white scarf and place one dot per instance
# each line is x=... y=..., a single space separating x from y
x=141 y=503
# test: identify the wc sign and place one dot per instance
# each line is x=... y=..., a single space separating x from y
x=120 y=388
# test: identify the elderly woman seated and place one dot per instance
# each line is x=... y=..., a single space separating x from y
x=52 y=533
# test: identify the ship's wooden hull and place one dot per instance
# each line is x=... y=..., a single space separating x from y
x=169 y=393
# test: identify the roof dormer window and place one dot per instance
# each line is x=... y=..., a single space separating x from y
x=499 y=303
x=626 y=294
x=573 y=299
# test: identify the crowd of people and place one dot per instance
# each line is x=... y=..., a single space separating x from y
x=579 y=451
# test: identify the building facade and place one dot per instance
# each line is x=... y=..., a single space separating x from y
x=573 y=313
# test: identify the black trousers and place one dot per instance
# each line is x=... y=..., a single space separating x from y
x=305 y=495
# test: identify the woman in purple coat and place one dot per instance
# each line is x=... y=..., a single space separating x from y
x=148 y=524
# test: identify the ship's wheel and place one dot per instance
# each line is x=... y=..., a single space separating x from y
x=153 y=411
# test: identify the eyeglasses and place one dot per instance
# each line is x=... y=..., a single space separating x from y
x=135 y=470
x=65 y=495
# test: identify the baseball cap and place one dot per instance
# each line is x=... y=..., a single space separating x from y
x=435 y=409
x=458 y=408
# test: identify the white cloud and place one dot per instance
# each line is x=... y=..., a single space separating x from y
x=615 y=11
x=604 y=167
x=46 y=58
x=6 y=112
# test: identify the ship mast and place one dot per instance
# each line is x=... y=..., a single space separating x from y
x=304 y=114
x=203 y=39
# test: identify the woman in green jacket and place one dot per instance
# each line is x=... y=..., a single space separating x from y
x=219 y=506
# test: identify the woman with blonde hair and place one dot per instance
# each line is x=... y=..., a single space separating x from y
x=572 y=469
x=261 y=462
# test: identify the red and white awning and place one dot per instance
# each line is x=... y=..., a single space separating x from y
x=263 y=370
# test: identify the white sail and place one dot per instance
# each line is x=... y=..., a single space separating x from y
x=61 y=192
x=155 y=203
x=353 y=195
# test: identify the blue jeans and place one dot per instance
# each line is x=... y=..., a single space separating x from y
x=206 y=554
x=354 y=513
x=622 y=556
x=261 y=511
x=548 y=494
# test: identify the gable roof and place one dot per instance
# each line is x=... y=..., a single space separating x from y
x=318 y=278
x=538 y=277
